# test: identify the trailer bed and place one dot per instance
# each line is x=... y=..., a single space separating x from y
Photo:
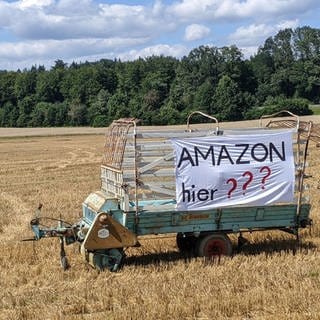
x=227 y=220
x=160 y=217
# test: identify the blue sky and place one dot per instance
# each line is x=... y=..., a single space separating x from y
x=39 y=32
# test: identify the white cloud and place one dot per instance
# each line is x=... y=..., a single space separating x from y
x=121 y=10
x=256 y=34
x=33 y=3
x=72 y=29
x=66 y=48
x=249 y=38
x=249 y=51
x=198 y=10
x=160 y=49
x=196 y=32
x=288 y=24
x=6 y=14
x=252 y=34
x=47 y=51
x=65 y=19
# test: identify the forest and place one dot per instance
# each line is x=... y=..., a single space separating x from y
x=283 y=74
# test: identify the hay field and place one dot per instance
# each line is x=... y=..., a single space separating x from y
x=266 y=280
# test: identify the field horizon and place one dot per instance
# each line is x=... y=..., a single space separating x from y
x=61 y=131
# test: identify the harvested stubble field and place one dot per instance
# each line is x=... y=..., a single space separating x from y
x=268 y=279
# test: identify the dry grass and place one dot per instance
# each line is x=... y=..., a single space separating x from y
x=267 y=280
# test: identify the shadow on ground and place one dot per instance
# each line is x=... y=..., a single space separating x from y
x=267 y=247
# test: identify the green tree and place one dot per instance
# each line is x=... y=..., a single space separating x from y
x=118 y=106
x=7 y=87
x=25 y=107
x=203 y=99
x=81 y=84
x=99 y=106
x=9 y=115
x=100 y=121
x=106 y=75
x=61 y=117
x=169 y=115
x=25 y=84
x=77 y=113
x=48 y=86
x=38 y=115
x=228 y=101
x=307 y=43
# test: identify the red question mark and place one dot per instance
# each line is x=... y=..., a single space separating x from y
x=265 y=168
x=245 y=185
x=234 y=183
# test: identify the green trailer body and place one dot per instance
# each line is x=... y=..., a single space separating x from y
x=159 y=217
x=137 y=198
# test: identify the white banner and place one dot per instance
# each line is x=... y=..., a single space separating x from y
x=219 y=171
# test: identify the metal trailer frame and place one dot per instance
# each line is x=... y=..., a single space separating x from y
x=137 y=197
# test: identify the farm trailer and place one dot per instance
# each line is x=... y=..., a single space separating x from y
x=138 y=196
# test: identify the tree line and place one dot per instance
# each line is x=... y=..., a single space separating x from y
x=283 y=74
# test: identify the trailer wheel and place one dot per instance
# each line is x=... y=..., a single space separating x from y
x=186 y=242
x=214 y=245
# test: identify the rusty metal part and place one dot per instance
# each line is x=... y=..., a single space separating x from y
x=116 y=138
x=107 y=233
x=205 y=116
x=295 y=122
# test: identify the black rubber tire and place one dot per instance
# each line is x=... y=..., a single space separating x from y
x=214 y=245
x=186 y=243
